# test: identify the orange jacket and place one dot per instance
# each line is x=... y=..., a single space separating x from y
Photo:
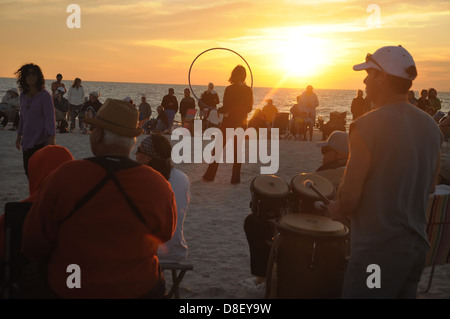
x=41 y=164
x=115 y=251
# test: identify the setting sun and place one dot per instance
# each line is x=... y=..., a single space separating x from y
x=300 y=56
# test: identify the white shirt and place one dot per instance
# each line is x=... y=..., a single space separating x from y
x=76 y=95
x=175 y=250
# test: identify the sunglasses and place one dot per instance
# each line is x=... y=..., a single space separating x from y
x=369 y=57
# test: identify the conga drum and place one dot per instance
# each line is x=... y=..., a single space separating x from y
x=311 y=256
x=303 y=199
x=270 y=197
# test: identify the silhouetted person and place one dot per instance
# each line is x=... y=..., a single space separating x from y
x=237 y=103
x=358 y=107
x=208 y=100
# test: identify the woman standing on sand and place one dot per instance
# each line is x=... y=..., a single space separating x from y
x=37 y=114
x=237 y=103
x=76 y=100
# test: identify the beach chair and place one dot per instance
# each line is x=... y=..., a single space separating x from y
x=15 y=214
x=438 y=231
x=282 y=122
x=178 y=271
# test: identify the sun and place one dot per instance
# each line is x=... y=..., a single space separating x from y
x=300 y=56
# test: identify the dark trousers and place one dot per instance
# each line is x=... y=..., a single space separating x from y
x=28 y=153
x=259 y=234
x=210 y=173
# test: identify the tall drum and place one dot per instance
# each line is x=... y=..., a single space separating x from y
x=311 y=256
x=270 y=197
x=304 y=198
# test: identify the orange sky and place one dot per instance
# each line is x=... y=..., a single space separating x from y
x=289 y=43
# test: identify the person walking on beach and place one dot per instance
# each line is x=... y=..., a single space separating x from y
x=309 y=100
x=208 y=100
x=37 y=115
x=237 y=103
x=156 y=151
x=388 y=180
x=170 y=106
x=358 y=107
x=76 y=99
x=58 y=83
x=107 y=214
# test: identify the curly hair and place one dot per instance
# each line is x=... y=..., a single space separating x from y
x=22 y=74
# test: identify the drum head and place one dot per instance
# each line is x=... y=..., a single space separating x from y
x=333 y=175
x=322 y=184
x=314 y=225
x=270 y=186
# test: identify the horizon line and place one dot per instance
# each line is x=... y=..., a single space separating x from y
x=186 y=84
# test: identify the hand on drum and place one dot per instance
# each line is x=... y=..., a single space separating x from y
x=334 y=211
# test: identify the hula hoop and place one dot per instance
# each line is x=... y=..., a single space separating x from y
x=190 y=68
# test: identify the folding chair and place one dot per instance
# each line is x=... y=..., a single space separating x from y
x=15 y=214
x=438 y=230
x=176 y=277
x=282 y=122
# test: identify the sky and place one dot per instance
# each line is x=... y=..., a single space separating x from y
x=286 y=43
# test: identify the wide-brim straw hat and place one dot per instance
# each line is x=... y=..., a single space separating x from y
x=117 y=116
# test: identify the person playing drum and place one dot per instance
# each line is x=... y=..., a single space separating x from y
x=392 y=169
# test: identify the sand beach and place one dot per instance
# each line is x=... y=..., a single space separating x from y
x=218 y=248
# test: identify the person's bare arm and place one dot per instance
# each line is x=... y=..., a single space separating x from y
x=355 y=176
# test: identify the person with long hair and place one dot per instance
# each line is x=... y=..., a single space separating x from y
x=37 y=115
x=237 y=103
x=76 y=99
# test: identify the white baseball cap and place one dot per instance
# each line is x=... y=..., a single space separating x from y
x=94 y=93
x=393 y=60
x=337 y=140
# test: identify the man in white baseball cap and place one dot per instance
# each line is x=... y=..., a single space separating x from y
x=334 y=157
x=392 y=169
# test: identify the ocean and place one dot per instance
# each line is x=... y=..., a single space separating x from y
x=329 y=100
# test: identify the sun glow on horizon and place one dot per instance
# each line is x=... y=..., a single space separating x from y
x=298 y=55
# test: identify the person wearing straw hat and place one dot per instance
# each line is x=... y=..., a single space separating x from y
x=107 y=214
x=392 y=169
